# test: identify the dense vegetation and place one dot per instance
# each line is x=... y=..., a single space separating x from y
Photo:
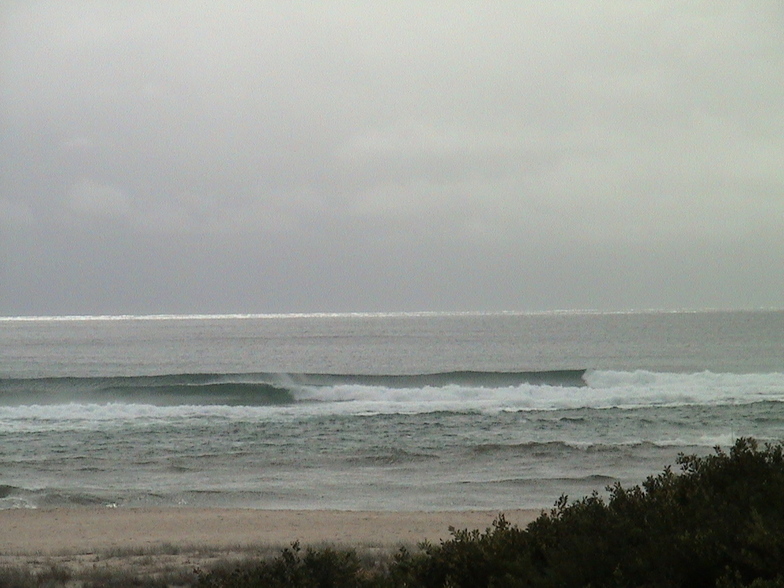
x=718 y=522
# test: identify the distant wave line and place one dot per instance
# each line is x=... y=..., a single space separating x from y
x=376 y=314
x=237 y=316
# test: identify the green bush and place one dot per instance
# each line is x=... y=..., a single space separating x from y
x=719 y=523
x=326 y=568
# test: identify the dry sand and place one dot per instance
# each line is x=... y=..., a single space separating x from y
x=181 y=538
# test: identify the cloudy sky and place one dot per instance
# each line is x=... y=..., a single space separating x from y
x=213 y=157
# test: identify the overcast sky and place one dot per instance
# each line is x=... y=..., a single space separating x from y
x=214 y=157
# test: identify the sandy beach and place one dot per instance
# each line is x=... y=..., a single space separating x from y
x=181 y=538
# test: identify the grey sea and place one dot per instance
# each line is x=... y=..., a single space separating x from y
x=418 y=411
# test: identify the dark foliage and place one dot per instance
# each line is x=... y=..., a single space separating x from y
x=326 y=568
x=719 y=523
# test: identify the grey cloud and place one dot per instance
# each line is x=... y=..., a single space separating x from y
x=347 y=145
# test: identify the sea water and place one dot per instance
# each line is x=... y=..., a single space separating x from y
x=422 y=411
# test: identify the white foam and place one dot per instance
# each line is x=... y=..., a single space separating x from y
x=641 y=388
x=375 y=314
x=175 y=317
x=91 y=416
x=605 y=389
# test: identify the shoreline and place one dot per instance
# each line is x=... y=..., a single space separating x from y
x=181 y=538
x=82 y=529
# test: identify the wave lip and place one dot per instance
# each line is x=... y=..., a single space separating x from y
x=260 y=389
x=155 y=390
x=480 y=379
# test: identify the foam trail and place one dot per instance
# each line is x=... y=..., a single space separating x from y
x=641 y=388
x=181 y=396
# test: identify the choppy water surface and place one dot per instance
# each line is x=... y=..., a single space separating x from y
x=400 y=412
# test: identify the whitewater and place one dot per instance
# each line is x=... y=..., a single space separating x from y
x=422 y=411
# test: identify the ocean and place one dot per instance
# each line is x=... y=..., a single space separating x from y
x=402 y=411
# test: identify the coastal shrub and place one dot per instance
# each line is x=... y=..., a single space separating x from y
x=54 y=576
x=469 y=558
x=720 y=522
x=325 y=568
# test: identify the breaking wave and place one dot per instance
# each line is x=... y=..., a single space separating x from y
x=243 y=396
x=260 y=389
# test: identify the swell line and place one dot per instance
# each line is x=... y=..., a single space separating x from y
x=252 y=389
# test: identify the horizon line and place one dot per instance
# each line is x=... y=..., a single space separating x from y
x=371 y=314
